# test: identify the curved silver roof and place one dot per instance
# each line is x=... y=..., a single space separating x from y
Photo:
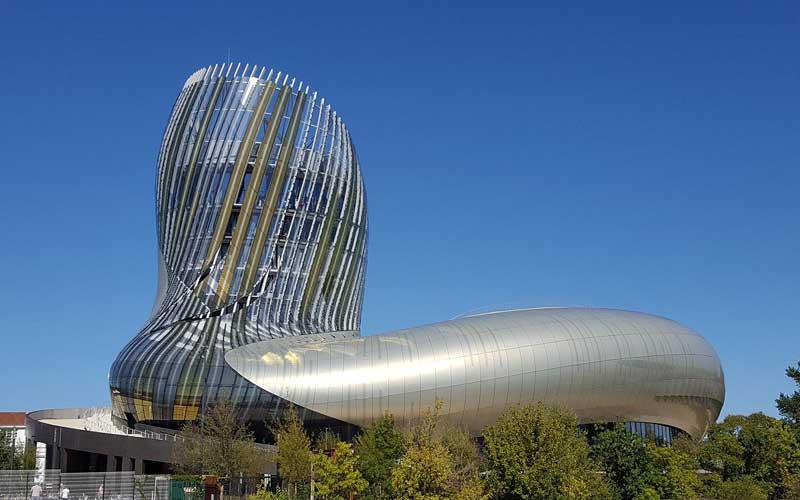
x=606 y=365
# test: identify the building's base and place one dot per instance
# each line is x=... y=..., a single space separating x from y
x=76 y=443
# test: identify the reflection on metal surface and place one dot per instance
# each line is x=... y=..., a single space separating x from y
x=606 y=365
x=262 y=238
x=253 y=165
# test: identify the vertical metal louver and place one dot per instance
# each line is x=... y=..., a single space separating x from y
x=262 y=230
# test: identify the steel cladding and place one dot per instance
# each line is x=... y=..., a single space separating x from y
x=262 y=238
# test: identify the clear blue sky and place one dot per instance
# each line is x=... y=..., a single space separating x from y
x=646 y=158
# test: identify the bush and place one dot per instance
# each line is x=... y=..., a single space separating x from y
x=648 y=494
x=263 y=494
x=741 y=489
x=337 y=476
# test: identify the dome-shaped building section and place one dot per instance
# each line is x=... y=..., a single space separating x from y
x=606 y=365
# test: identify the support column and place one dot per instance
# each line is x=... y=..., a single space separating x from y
x=50 y=457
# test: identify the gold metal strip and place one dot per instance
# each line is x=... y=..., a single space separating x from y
x=250 y=198
x=276 y=186
x=237 y=175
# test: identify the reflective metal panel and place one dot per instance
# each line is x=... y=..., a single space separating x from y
x=606 y=365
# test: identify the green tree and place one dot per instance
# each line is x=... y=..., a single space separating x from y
x=218 y=443
x=441 y=462
x=624 y=458
x=6 y=453
x=789 y=404
x=294 y=450
x=674 y=474
x=425 y=472
x=263 y=494
x=379 y=448
x=467 y=462
x=647 y=494
x=536 y=452
x=472 y=489
x=326 y=440
x=337 y=476
x=740 y=489
x=758 y=447
x=772 y=454
x=687 y=445
x=26 y=458
x=721 y=452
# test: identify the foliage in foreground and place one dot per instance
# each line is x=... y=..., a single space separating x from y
x=674 y=474
x=24 y=458
x=336 y=476
x=294 y=450
x=536 y=452
x=637 y=469
x=379 y=448
x=423 y=473
x=740 y=489
x=623 y=456
x=439 y=463
x=755 y=448
x=789 y=404
x=218 y=443
x=263 y=494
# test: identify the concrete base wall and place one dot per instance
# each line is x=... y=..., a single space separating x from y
x=76 y=450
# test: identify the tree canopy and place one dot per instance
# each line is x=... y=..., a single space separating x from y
x=218 y=443
x=379 y=448
x=294 y=449
x=336 y=476
x=624 y=458
x=789 y=404
x=533 y=452
x=755 y=447
x=536 y=452
x=440 y=462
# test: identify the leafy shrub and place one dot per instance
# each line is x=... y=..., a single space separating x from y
x=263 y=494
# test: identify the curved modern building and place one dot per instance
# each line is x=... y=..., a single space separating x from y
x=606 y=365
x=261 y=223
x=262 y=231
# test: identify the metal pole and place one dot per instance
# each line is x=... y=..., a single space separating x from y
x=104 y=484
x=27 y=485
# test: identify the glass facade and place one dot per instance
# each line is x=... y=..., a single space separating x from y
x=262 y=227
x=660 y=434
